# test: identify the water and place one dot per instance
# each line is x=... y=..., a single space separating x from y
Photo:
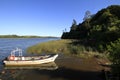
x=8 y=44
x=64 y=68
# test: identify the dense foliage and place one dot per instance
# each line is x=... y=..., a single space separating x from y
x=114 y=52
x=98 y=29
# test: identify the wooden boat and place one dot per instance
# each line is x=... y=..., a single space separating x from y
x=28 y=60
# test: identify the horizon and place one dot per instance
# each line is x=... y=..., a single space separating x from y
x=45 y=17
x=25 y=35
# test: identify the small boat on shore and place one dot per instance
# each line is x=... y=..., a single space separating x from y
x=45 y=66
x=28 y=60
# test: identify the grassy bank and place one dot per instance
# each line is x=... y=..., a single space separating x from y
x=50 y=47
x=64 y=46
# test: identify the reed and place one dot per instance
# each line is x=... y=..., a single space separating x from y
x=56 y=46
x=64 y=46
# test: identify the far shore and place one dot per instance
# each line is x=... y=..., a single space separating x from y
x=25 y=36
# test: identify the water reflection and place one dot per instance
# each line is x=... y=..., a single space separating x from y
x=46 y=66
x=22 y=72
x=70 y=68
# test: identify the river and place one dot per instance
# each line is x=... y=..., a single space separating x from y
x=9 y=44
x=64 y=68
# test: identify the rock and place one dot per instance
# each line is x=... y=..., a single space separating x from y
x=3 y=72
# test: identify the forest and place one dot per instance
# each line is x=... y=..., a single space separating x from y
x=100 y=31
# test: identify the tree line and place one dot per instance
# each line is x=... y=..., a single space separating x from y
x=101 y=31
x=97 y=29
x=17 y=36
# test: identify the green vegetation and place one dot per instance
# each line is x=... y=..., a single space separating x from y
x=101 y=32
x=114 y=54
x=102 y=27
x=98 y=30
x=97 y=36
x=65 y=47
x=57 y=46
x=17 y=36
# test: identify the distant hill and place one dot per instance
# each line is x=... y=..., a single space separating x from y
x=27 y=36
x=17 y=36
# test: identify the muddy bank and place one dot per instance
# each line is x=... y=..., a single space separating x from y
x=69 y=68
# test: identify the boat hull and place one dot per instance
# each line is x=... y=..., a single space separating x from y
x=30 y=62
x=45 y=66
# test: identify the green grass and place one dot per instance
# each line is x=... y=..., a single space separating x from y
x=64 y=46
x=57 y=46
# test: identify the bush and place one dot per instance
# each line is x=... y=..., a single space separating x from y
x=114 y=53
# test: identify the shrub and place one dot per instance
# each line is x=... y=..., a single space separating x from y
x=114 y=53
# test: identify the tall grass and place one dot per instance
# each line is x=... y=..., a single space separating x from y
x=63 y=46
x=57 y=46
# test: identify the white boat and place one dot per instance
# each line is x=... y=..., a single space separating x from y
x=28 y=60
x=45 y=66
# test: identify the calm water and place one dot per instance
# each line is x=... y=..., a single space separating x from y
x=8 y=44
x=64 y=68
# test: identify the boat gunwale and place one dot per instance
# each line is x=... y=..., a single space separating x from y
x=51 y=58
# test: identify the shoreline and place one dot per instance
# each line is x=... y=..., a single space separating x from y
x=79 y=68
x=66 y=47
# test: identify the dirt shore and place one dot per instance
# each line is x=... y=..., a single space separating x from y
x=69 y=68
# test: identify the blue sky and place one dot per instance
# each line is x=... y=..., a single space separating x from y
x=45 y=17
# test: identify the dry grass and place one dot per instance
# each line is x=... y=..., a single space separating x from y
x=64 y=46
x=57 y=46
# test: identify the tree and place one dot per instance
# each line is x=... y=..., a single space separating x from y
x=87 y=15
x=74 y=25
